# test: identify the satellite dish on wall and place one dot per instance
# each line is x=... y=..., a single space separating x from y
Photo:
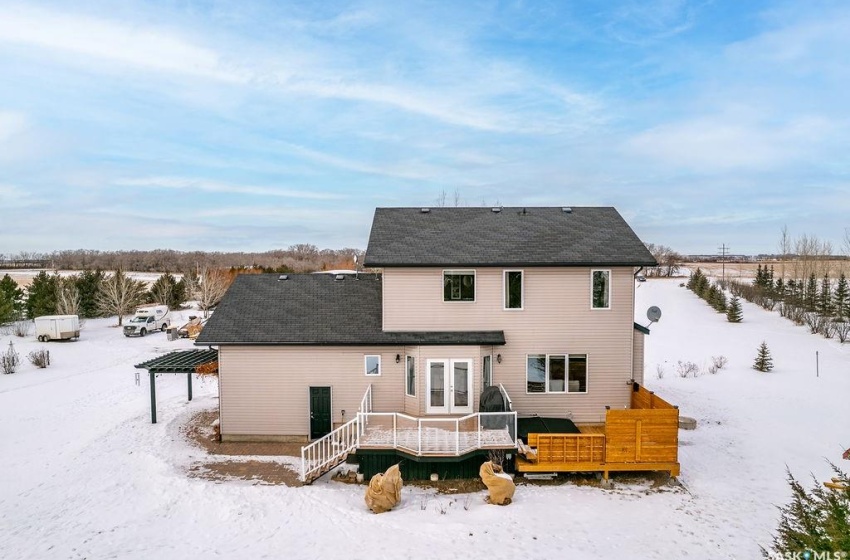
x=653 y=314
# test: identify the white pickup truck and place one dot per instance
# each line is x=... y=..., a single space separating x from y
x=148 y=319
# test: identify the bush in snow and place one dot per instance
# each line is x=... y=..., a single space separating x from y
x=21 y=328
x=9 y=360
x=687 y=369
x=815 y=321
x=815 y=521
x=39 y=358
x=763 y=360
x=734 y=314
x=659 y=371
x=717 y=363
x=842 y=330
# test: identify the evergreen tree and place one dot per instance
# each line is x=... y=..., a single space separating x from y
x=810 y=294
x=814 y=521
x=88 y=286
x=41 y=296
x=734 y=314
x=702 y=286
x=824 y=302
x=779 y=289
x=763 y=360
x=719 y=301
x=759 y=281
x=7 y=308
x=692 y=281
x=710 y=295
x=167 y=291
x=13 y=297
x=841 y=299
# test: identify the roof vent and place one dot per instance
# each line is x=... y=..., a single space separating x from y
x=496 y=209
x=339 y=277
x=424 y=210
x=283 y=277
x=567 y=210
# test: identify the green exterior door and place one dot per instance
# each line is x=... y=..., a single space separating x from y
x=320 y=411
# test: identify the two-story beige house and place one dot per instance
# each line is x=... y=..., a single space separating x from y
x=538 y=302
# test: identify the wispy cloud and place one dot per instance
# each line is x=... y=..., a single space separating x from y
x=181 y=183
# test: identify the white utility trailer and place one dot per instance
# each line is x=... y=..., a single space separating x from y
x=57 y=327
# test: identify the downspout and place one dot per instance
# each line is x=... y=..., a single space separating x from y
x=632 y=350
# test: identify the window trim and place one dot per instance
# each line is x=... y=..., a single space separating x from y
x=610 y=291
x=505 y=290
x=407 y=385
x=366 y=365
x=485 y=359
x=566 y=390
x=471 y=271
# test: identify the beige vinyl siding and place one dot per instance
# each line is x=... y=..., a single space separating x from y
x=637 y=356
x=557 y=318
x=265 y=389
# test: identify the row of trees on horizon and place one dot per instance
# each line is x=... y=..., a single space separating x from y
x=296 y=258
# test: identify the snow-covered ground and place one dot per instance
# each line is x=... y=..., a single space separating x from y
x=24 y=276
x=85 y=475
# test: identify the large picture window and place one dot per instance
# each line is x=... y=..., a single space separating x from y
x=410 y=382
x=556 y=373
x=601 y=289
x=458 y=285
x=373 y=365
x=513 y=289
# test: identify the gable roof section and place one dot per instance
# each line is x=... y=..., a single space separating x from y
x=316 y=309
x=452 y=237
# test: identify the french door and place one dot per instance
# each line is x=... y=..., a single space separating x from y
x=449 y=387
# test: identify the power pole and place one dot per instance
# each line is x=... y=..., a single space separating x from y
x=724 y=250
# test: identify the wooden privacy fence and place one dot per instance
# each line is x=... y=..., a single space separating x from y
x=642 y=438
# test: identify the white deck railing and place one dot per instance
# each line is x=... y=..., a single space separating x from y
x=508 y=404
x=418 y=436
x=438 y=436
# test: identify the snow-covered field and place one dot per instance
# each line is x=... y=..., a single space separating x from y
x=85 y=475
x=24 y=276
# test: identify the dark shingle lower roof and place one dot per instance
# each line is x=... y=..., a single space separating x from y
x=452 y=237
x=316 y=309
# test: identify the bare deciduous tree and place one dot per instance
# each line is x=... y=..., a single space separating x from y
x=67 y=297
x=669 y=261
x=209 y=286
x=119 y=295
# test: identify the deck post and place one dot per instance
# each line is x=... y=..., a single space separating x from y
x=395 y=431
x=358 y=430
x=153 y=397
x=419 y=437
x=479 y=430
x=457 y=437
x=189 y=375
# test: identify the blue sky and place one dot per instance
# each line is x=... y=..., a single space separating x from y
x=252 y=126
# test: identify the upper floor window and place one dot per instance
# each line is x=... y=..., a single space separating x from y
x=600 y=295
x=458 y=285
x=373 y=365
x=513 y=289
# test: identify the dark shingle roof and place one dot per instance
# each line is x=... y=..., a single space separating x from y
x=316 y=309
x=512 y=237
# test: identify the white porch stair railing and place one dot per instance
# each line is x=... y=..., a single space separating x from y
x=323 y=454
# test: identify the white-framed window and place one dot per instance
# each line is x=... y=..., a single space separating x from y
x=459 y=285
x=600 y=289
x=486 y=371
x=373 y=364
x=556 y=373
x=410 y=376
x=577 y=373
x=513 y=283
